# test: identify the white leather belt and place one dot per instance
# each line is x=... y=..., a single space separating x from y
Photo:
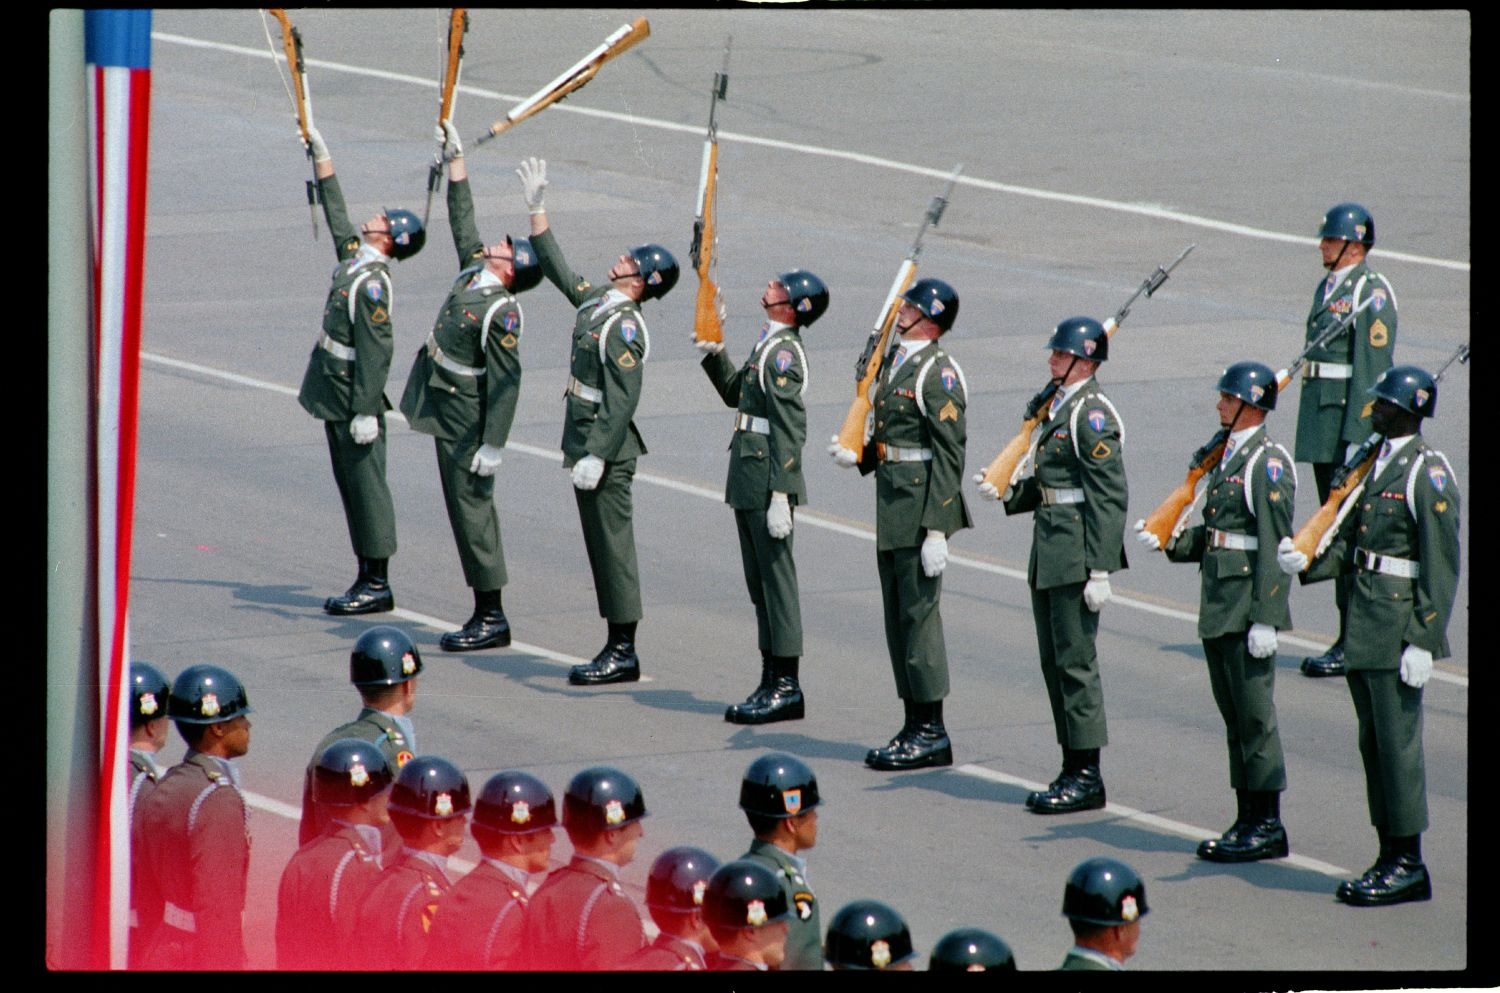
x=1388 y=564
x=590 y=393
x=755 y=425
x=1051 y=496
x=1329 y=370
x=1232 y=539
x=435 y=351
x=335 y=349
x=890 y=453
x=183 y=920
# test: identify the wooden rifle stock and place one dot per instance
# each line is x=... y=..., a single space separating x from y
x=707 y=325
x=458 y=26
x=291 y=42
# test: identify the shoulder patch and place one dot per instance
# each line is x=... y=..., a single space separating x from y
x=403 y=757
x=1377 y=299
x=374 y=289
x=379 y=315
x=1101 y=451
x=783 y=360
x=509 y=341
x=949 y=376
x=510 y=320
x=1438 y=476
x=1275 y=469
x=1380 y=335
x=626 y=360
x=1097 y=418
x=949 y=412
x=629 y=329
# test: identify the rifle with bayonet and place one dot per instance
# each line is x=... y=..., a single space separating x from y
x=458 y=26
x=1003 y=468
x=707 y=325
x=852 y=434
x=291 y=42
x=1313 y=537
x=1168 y=518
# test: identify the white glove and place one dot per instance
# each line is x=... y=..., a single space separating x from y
x=486 y=460
x=934 y=554
x=1096 y=591
x=1416 y=666
x=533 y=173
x=846 y=458
x=1152 y=542
x=448 y=135
x=708 y=347
x=1291 y=561
x=364 y=428
x=779 y=516
x=1261 y=641
x=986 y=490
x=587 y=472
x=316 y=145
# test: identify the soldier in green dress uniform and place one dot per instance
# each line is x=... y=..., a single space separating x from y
x=344 y=385
x=1398 y=543
x=1333 y=415
x=600 y=442
x=1104 y=901
x=916 y=440
x=463 y=387
x=779 y=795
x=765 y=482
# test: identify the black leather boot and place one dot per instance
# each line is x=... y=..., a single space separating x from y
x=370 y=594
x=1330 y=663
x=1381 y=858
x=923 y=742
x=1263 y=837
x=615 y=663
x=899 y=738
x=1081 y=788
x=488 y=628
x=1208 y=848
x=1402 y=878
x=779 y=699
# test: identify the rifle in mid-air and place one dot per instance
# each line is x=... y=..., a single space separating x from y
x=291 y=42
x=707 y=325
x=458 y=26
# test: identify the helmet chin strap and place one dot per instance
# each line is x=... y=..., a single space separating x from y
x=1334 y=265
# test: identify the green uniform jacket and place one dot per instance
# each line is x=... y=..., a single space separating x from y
x=478 y=328
x=1335 y=413
x=1410 y=511
x=920 y=405
x=1074 y=962
x=477 y=925
x=357 y=315
x=770 y=385
x=396 y=915
x=317 y=901
x=610 y=346
x=374 y=726
x=1251 y=494
x=804 y=939
x=1080 y=447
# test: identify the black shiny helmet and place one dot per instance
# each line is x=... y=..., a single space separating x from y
x=1252 y=382
x=679 y=879
x=742 y=894
x=407 y=233
x=601 y=798
x=778 y=785
x=430 y=787
x=970 y=949
x=657 y=267
x=1349 y=222
x=1080 y=336
x=150 y=693
x=867 y=934
x=528 y=271
x=1408 y=387
x=383 y=656
x=936 y=300
x=1104 y=891
x=207 y=694
x=349 y=772
x=806 y=293
x=514 y=802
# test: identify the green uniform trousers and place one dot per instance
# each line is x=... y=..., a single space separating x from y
x=771 y=578
x=1390 y=743
x=359 y=471
x=913 y=625
x=1242 y=686
x=608 y=518
x=470 y=498
x=1065 y=631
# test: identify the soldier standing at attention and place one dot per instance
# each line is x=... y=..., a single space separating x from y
x=462 y=390
x=1398 y=543
x=1333 y=415
x=868 y=935
x=600 y=441
x=747 y=914
x=765 y=482
x=779 y=795
x=1247 y=510
x=918 y=439
x=1104 y=901
x=150 y=694
x=675 y=897
x=1078 y=494
x=344 y=385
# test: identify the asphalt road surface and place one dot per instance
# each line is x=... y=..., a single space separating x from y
x=1095 y=146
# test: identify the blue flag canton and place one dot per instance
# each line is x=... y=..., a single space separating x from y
x=120 y=38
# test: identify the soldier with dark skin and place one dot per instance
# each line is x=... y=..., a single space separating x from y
x=478 y=923
x=747 y=914
x=1104 y=901
x=344 y=385
x=150 y=694
x=1333 y=416
x=322 y=887
x=1397 y=541
x=600 y=443
x=463 y=388
x=383 y=667
x=675 y=892
x=765 y=482
x=868 y=935
x=195 y=832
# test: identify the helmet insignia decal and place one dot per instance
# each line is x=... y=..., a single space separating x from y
x=880 y=954
x=523 y=257
x=1256 y=392
x=520 y=812
x=1089 y=345
x=1422 y=397
x=148 y=704
x=804 y=305
x=408 y=664
x=1128 y=909
x=1359 y=229
x=792 y=801
x=209 y=706
x=443 y=805
x=358 y=776
x=755 y=913
x=653 y=279
x=936 y=307
x=614 y=812
x=699 y=888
